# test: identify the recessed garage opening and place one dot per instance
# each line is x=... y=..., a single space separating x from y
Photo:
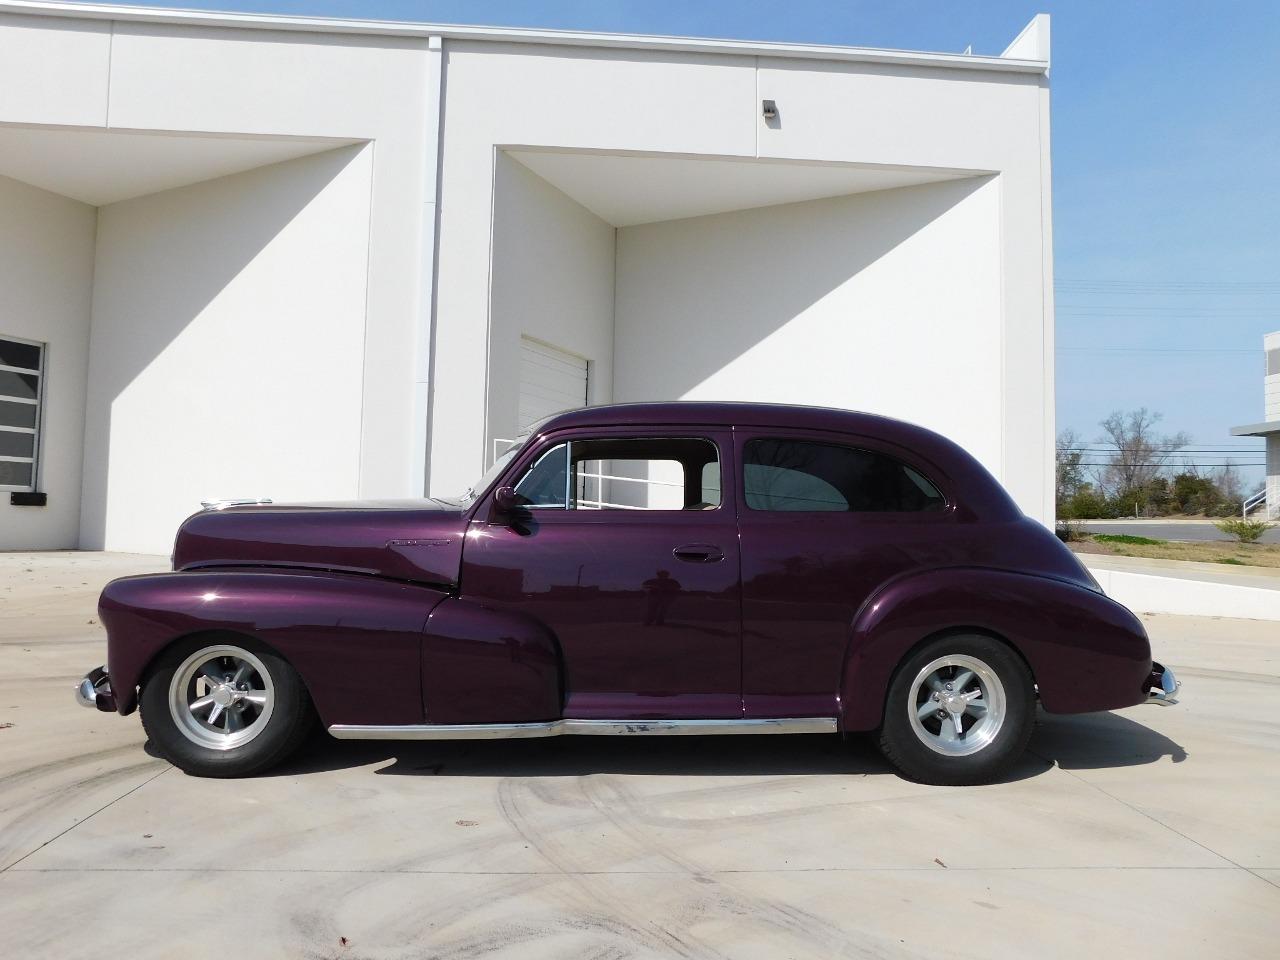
x=201 y=300
x=857 y=286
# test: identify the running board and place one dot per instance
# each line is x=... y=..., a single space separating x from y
x=599 y=728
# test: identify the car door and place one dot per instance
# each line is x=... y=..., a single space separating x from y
x=625 y=547
x=825 y=520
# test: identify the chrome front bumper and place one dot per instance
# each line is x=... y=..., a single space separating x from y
x=1163 y=686
x=95 y=691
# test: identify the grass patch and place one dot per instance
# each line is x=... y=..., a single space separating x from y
x=1128 y=538
x=1198 y=551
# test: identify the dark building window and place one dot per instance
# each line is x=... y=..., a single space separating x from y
x=21 y=376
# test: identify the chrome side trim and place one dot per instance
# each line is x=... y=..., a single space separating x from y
x=598 y=728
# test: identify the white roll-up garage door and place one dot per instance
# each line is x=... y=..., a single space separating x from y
x=550 y=381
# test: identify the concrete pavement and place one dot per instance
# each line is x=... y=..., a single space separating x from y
x=1145 y=830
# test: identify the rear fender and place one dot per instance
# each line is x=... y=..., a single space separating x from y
x=354 y=640
x=1086 y=652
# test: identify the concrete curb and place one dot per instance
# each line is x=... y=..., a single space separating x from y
x=1155 y=590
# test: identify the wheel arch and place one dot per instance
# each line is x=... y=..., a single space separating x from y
x=354 y=641
x=1084 y=651
x=959 y=630
x=211 y=635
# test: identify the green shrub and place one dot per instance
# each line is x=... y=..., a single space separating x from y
x=1086 y=504
x=1246 y=531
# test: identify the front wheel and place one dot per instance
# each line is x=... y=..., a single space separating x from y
x=959 y=711
x=224 y=707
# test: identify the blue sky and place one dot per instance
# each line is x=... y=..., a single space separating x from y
x=1166 y=153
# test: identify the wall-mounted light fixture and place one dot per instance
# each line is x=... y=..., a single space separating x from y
x=769 y=109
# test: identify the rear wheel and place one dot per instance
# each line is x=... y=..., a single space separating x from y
x=959 y=711
x=224 y=707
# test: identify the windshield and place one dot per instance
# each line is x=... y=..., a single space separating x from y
x=495 y=471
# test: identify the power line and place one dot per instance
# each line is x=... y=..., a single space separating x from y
x=1160 y=350
x=1148 y=287
x=1167 y=465
x=1194 y=450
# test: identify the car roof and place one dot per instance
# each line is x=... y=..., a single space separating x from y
x=727 y=413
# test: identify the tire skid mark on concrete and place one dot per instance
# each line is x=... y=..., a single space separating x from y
x=561 y=856
x=607 y=795
x=26 y=775
x=40 y=811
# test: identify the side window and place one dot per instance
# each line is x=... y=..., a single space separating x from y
x=802 y=475
x=679 y=473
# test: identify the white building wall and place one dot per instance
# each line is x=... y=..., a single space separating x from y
x=689 y=104
x=46 y=277
x=500 y=94
x=552 y=281
x=227 y=347
x=887 y=302
x=54 y=71
x=932 y=117
x=1273 y=476
x=139 y=73
x=1271 y=378
x=278 y=82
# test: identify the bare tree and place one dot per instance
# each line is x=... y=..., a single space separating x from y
x=1229 y=482
x=1139 y=455
x=1069 y=473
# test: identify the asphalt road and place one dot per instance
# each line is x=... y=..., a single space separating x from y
x=1144 y=831
x=1177 y=530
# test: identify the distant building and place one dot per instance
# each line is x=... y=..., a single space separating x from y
x=1270 y=427
x=271 y=256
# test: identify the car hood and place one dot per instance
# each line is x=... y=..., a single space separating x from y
x=414 y=540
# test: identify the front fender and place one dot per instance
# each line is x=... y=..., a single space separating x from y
x=355 y=640
x=486 y=665
x=1086 y=652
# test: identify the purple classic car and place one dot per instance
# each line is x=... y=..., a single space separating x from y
x=673 y=568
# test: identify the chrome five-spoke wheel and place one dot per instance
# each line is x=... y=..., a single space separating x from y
x=221 y=697
x=959 y=705
x=959 y=710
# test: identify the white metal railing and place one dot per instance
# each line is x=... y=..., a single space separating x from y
x=501 y=445
x=1252 y=503
x=599 y=503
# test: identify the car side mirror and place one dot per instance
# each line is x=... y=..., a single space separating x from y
x=506 y=500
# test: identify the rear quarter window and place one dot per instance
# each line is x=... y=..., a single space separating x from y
x=784 y=475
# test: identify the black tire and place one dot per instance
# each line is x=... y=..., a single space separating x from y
x=283 y=730
x=994 y=748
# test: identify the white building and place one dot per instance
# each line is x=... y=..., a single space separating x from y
x=317 y=259
x=1270 y=427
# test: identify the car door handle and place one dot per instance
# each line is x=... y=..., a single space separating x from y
x=698 y=553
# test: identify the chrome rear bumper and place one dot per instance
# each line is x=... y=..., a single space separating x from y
x=95 y=691
x=1164 y=686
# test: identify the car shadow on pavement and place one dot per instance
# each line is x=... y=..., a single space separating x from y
x=1088 y=741
x=1095 y=741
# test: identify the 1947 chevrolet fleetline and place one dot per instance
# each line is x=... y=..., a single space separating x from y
x=673 y=568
